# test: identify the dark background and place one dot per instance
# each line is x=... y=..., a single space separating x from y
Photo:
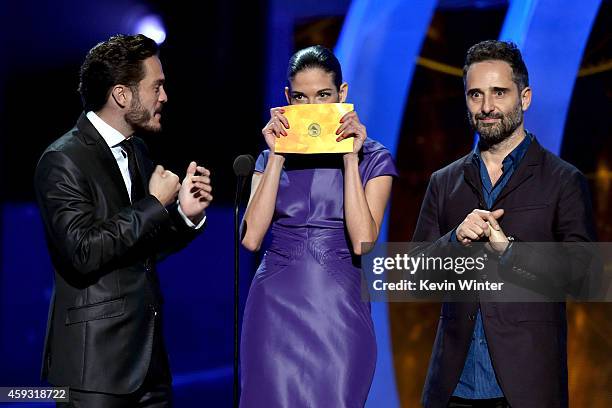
x=213 y=60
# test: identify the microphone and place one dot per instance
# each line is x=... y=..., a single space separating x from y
x=244 y=165
x=243 y=168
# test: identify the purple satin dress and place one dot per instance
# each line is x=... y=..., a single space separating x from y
x=307 y=335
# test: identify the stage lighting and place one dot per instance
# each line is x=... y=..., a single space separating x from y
x=151 y=26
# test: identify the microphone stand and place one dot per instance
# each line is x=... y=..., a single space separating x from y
x=236 y=289
x=243 y=168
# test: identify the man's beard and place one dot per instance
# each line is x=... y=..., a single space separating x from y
x=139 y=118
x=495 y=133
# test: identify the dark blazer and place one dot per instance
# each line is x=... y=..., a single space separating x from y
x=106 y=301
x=545 y=200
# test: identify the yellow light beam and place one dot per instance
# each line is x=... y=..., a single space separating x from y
x=455 y=71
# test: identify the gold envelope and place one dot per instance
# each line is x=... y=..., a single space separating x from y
x=312 y=129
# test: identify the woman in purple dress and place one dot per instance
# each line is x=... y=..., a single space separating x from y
x=307 y=337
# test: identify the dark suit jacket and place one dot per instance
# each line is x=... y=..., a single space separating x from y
x=106 y=299
x=546 y=200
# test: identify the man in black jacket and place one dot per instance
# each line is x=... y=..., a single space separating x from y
x=108 y=215
x=493 y=353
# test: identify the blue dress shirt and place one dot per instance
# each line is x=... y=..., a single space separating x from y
x=478 y=379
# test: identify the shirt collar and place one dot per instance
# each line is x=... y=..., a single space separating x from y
x=111 y=136
x=513 y=157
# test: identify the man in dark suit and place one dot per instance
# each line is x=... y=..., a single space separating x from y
x=495 y=354
x=108 y=215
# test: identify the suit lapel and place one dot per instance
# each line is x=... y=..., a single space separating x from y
x=533 y=158
x=109 y=164
x=471 y=174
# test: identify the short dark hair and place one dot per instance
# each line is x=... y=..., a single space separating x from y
x=115 y=61
x=316 y=56
x=502 y=51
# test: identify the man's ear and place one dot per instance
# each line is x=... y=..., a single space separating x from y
x=343 y=92
x=526 y=98
x=122 y=95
